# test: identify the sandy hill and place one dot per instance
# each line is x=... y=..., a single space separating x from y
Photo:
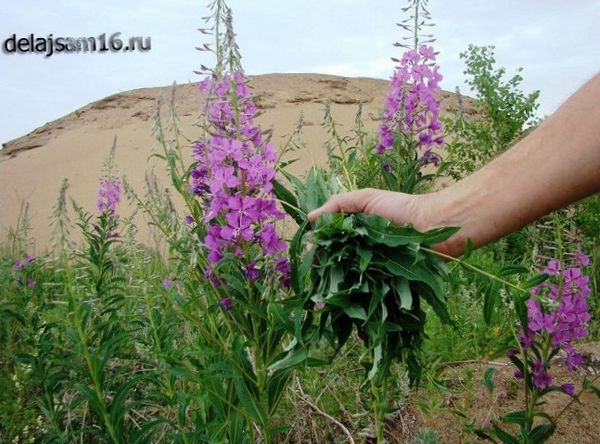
x=74 y=146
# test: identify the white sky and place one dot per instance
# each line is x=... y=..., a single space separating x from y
x=556 y=41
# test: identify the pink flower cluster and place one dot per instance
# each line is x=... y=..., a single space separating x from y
x=233 y=176
x=558 y=312
x=411 y=107
x=109 y=195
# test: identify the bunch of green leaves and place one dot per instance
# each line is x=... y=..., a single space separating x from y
x=373 y=276
x=360 y=272
x=363 y=272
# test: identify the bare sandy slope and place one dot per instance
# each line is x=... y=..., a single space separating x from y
x=74 y=146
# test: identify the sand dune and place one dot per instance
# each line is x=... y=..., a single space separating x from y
x=74 y=146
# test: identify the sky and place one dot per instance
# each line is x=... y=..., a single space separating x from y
x=555 y=41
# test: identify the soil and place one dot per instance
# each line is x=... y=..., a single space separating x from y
x=467 y=395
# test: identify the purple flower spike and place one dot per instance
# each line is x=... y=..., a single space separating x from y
x=574 y=360
x=541 y=378
x=31 y=283
x=233 y=177
x=109 y=195
x=411 y=107
x=558 y=312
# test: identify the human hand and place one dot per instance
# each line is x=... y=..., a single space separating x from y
x=424 y=211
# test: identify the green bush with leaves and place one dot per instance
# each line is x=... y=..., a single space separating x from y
x=504 y=113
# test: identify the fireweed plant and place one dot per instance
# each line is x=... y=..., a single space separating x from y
x=97 y=328
x=78 y=362
x=242 y=259
x=553 y=317
x=232 y=178
x=410 y=127
x=362 y=272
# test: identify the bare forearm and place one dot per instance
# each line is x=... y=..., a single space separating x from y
x=555 y=165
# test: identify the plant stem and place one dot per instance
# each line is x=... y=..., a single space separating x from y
x=416 y=24
x=475 y=269
x=379 y=393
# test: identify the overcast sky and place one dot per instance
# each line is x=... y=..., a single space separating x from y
x=556 y=41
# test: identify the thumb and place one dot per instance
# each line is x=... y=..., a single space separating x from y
x=352 y=202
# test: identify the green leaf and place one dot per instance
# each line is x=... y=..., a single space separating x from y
x=91 y=396
x=521 y=310
x=365 y=255
x=587 y=385
x=316 y=190
x=288 y=202
x=379 y=231
x=377 y=354
x=488 y=379
x=294 y=357
x=336 y=277
x=536 y=280
x=297 y=273
x=490 y=300
x=503 y=436
x=483 y=434
x=541 y=433
x=118 y=409
x=341 y=326
x=248 y=402
x=517 y=362
x=438 y=235
x=401 y=266
x=513 y=269
x=276 y=386
x=356 y=311
x=438 y=306
x=516 y=417
x=404 y=294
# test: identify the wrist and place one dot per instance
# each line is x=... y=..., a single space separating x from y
x=450 y=207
